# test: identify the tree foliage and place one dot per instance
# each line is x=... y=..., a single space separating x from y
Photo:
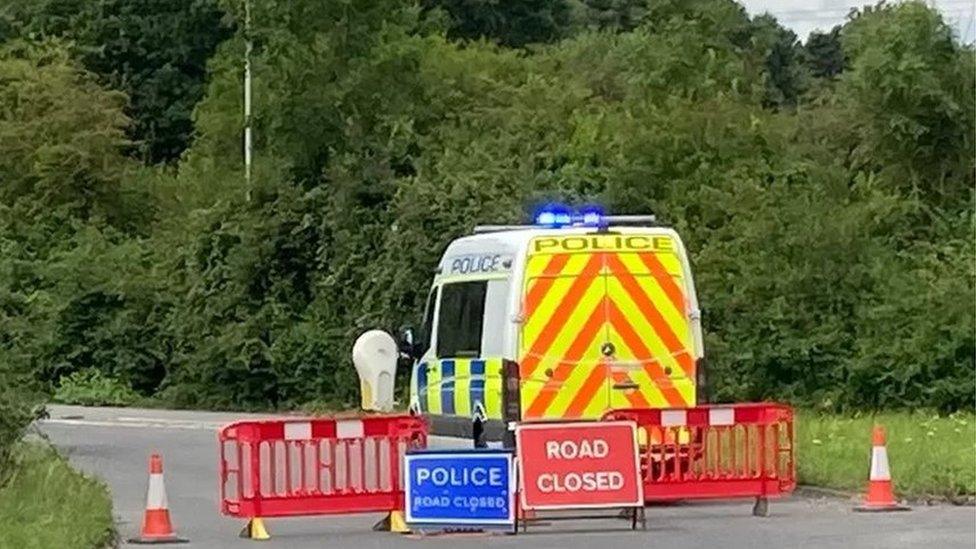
x=824 y=54
x=825 y=194
x=911 y=88
x=156 y=51
x=64 y=182
x=510 y=23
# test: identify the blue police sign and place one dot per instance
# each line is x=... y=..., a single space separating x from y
x=460 y=488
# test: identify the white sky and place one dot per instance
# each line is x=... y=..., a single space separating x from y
x=803 y=16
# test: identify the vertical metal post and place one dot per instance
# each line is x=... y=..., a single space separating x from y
x=247 y=97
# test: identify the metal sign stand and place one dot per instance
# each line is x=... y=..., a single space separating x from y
x=635 y=514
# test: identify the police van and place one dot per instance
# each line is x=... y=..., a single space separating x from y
x=598 y=312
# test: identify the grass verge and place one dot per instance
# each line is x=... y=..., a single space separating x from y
x=930 y=455
x=46 y=504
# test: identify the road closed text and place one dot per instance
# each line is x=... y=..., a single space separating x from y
x=591 y=481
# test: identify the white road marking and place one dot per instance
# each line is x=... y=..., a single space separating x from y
x=163 y=424
x=177 y=422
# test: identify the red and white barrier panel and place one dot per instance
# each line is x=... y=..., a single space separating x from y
x=714 y=451
x=293 y=467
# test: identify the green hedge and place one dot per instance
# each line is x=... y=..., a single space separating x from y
x=828 y=213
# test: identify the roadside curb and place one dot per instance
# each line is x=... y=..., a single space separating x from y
x=808 y=490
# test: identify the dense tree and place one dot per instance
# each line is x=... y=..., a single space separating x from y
x=510 y=23
x=831 y=232
x=60 y=132
x=911 y=86
x=615 y=15
x=824 y=54
x=785 y=74
x=768 y=50
x=154 y=50
x=72 y=268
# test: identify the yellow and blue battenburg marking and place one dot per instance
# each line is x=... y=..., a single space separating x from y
x=459 y=387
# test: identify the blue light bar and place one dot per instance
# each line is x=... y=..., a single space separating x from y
x=561 y=216
x=586 y=217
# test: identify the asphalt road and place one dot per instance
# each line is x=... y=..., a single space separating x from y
x=114 y=444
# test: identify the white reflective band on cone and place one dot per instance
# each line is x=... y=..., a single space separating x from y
x=879 y=464
x=156 y=495
x=671 y=418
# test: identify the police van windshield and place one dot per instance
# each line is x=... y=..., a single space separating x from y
x=460 y=320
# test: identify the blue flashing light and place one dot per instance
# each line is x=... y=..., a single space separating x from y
x=545 y=218
x=554 y=215
x=592 y=216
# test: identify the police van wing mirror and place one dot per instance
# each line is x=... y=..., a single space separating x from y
x=407 y=342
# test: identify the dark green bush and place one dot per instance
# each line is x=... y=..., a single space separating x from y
x=829 y=216
x=93 y=388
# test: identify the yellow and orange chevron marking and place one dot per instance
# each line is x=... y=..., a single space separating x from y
x=579 y=302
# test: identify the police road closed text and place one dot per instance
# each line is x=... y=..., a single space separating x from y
x=579 y=465
x=460 y=488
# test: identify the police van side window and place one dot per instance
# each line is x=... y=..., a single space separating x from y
x=423 y=342
x=460 y=319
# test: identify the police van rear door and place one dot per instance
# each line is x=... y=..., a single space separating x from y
x=605 y=325
x=562 y=330
x=648 y=342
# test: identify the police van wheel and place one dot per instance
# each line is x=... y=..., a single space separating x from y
x=478 y=434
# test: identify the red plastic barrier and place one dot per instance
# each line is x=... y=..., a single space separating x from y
x=715 y=451
x=295 y=467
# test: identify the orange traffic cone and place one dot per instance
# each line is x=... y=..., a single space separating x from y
x=879 y=496
x=156 y=525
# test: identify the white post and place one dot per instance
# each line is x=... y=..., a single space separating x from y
x=247 y=96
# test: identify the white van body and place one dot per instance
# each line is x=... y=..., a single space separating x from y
x=597 y=318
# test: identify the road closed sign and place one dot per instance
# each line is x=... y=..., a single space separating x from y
x=579 y=465
x=460 y=488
